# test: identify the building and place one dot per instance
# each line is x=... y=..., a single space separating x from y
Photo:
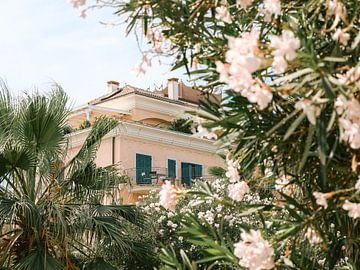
x=142 y=146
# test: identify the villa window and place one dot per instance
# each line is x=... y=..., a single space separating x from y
x=143 y=169
x=190 y=171
x=171 y=168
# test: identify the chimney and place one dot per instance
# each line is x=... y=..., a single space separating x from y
x=112 y=86
x=173 y=88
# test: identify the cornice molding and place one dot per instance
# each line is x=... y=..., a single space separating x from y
x=143 y=132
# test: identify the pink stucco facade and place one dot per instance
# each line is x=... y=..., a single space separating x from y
x=142 y=130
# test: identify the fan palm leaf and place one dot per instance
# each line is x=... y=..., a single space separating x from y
x=51 y=211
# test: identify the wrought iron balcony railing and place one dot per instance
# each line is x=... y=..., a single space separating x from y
x=156 y=176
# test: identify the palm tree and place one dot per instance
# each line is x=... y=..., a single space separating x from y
x=51 y=213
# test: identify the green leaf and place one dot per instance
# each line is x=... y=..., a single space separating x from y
x=308 y=143
x=328 y=91
x=294 y=125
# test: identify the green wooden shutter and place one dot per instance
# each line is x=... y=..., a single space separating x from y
x=143 y=168
x=185 y=173
x=198 y=171
x=171 y=168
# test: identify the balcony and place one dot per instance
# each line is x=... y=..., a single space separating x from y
x=155 y=177
x=149 y=176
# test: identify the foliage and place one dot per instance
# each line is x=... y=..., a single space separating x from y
x=52 y=210
x=84 y=125
x=182 y=125
x=212 y=215
x=217 y=171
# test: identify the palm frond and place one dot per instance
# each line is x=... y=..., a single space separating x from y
x=86 y=154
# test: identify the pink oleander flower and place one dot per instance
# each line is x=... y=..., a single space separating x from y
x=168 y=196
x=336 y=8
x=232 y=171
x=353 y=110
x=242 y=60
x=341 y=36
x=352 y=208
x=258 y=94
x=254 y=252
x=271 y=7
x=139 y=70
x=244 y=3
x=321 y=199
x=349 y=132
x=77 y=3
x=82 y=14
x=313 y=237
x=223 y=14
x=308 y=109
x=285 y=47
x=157 y=39
x=238 y=190
x=351 y=76
x=349 y=122
x=357 y=185
x=279 y=64
x=341 y=104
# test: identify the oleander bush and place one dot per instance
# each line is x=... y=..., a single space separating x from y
x=289 y=119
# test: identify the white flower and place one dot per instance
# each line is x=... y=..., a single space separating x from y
x=321 y=198
x=341 y=36
x=357 y=185
x=308 y=109
x=209 y=217
x=352 y=208
x=313 y=237
x=223 y=14
x=282 y=184
x=232 y=171
x=271 y=7
x=254 y=252
x=238 y=190
x=168 y=196
x=77 y=3
x=244 y=3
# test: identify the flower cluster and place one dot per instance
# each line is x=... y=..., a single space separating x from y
x=238 y=190
x=271 y=7
x=77 y=3
x=349 y=120
x=254 y=252
x=352 y=208
x=242 y=59
x=169 y=196
x=223 y=14
x=285 y=47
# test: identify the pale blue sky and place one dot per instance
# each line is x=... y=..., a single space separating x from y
x=45 y=40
